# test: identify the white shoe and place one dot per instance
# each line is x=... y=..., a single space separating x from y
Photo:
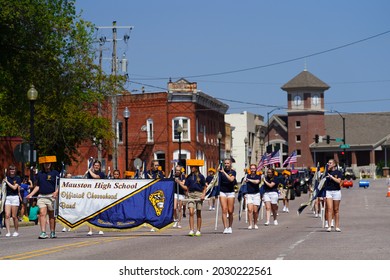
x=178 y=225
x=101 y=232
x=69 y=229
x=175 y=224
x=198 y=233
x=15 y=234
x=256 y=227
x=316 y=215
x=230 y=230
x=250 y=227
x=152 y=230
x=8 y=234
x=213 y=208
x=225 y=231
x=284 y=209
x=326 y=224
x=64 y=229
x=332 y=223
x=329 y=229
x=89 y=233
x=266 y=223
x=276 y=222
x=191 y=233
x=287 y=210
x=210 y=208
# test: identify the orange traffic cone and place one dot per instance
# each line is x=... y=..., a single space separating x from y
x=388 y=192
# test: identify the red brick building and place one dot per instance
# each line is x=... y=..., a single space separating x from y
x=152 y=129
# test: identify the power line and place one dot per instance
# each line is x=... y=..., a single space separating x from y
x=274 y=63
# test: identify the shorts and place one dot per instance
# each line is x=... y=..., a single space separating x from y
x=227 y=194
x=46 y=200
x=12 y=200
x=272 y=197
x=335 y=195
x=194 y=200
x=181 y=196
x=253 y=198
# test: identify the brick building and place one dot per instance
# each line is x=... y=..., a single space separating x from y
x=152 y=129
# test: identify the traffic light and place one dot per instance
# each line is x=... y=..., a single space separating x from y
x=342 y=153
x=316 y=138
x=327 y=139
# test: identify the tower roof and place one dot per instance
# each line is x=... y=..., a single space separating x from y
x=305 y=80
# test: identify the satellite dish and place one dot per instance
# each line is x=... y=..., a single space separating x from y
x=143 y=128
x=137 y=163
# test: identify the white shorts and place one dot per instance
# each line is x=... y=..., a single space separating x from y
x=272 y=197
x=335 y=195
x=253 y=198
x=227 y=194
x=12 y=200
x=181 y=196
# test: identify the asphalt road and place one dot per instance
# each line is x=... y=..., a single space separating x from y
x=365 y=225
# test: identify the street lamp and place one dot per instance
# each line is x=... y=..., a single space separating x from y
x=126 y=115
x=246 y=151
x=269 y=149
x=344 y=149
x=32 y=95
x=179 y=130
x=219 y=136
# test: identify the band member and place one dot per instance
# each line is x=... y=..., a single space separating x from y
x=180 y=191
x=333 y=194
x=196 y=186
x=95 y=172
x=253 y=196
x=209 y=178
x=271 y=196
x=227 y=194
x=48 y=193
x=12 y=200
x=154 y=172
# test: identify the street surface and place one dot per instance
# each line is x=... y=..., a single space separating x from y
x=365 y=225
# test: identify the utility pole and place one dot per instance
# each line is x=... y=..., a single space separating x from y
x=114 y=72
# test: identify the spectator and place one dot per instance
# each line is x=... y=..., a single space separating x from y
x=34 y=211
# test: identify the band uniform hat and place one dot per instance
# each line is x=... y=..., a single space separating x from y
x=195 y=162
x=286 y=172
x=212 y=170
x=47 y=159
x=129 y=173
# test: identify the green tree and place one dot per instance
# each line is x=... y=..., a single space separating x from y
x=45 y=43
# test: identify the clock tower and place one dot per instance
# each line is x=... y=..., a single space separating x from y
x=305 y=99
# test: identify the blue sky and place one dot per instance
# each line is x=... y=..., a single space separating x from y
x=346 y=45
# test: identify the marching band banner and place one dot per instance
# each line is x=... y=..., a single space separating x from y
x=116 y=204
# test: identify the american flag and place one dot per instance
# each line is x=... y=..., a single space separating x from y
x=274 y=158
x=263 y=161
x=291 y=158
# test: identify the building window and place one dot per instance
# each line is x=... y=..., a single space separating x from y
x=298 y=138
x=299 y=153
x=185 y=124
x=149 y=130
x=160 y=156
x=298 y=124
x=119 y=132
